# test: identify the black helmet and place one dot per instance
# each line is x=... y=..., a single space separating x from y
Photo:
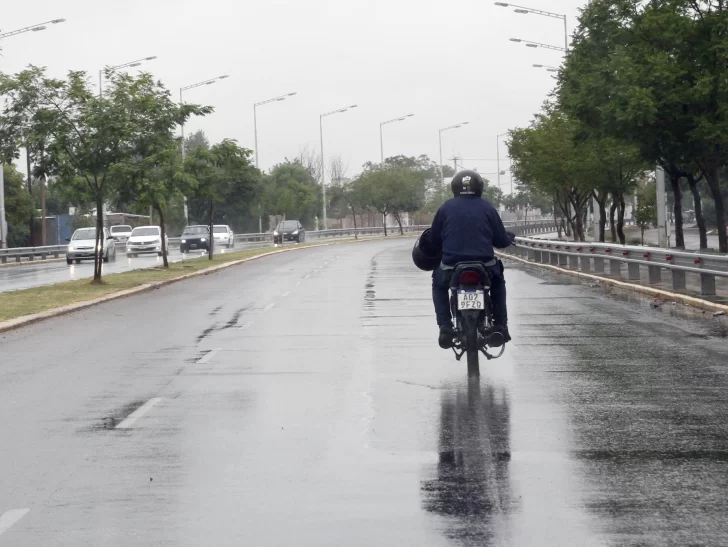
x=467 y=183
x=423 y=255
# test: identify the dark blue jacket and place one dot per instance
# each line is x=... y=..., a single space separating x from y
x=467 y=228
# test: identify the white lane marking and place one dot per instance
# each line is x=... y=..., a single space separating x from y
x=138 y=413
x=307 y=276
x=269 y=306
x=285 y=294
x=298 y=283
x=209 y=355
x=8 y=518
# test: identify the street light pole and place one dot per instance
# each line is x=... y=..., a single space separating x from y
x=3 y=224
x=182 y=125
x=323 y=170
x=111 y=69
x=529 y=43
x=381 y=138
x=255 y=117
x=255 y=131
x=497 y=150
x=442 y=174
x=524 y=11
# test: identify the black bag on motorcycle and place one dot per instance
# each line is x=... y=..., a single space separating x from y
x=424 y=255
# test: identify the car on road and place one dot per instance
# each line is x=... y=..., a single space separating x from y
x=289 y=230
x=146 y=239
x=223 y=235
x=120 y=232
x=82 y=245
x=195 y=238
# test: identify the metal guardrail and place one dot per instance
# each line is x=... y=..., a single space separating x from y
x=55 y=251
x=31 y=253
x=581 y=256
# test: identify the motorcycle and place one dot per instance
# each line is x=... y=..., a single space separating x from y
x=473 y=312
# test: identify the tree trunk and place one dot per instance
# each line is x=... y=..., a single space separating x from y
x=712 y=173
x=642 y=230
x=602 y=216
x=612 y=224
x=579 y=228
x=620 y=220
x=677 y=194
x=384 y=223
x=211 y=247
x=99 y=256
x=698 y=204
x=399 y=222
x=162 y=227
x=353 y=213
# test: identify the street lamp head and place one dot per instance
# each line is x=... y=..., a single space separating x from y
x=223 y=77
x=409 y=115
x=291 y=94
x=281 y=99
x=36 y=29
x=524 y=11
x=150 y=58
x=465 y=123
x=210 y=82
x=56 y=21
x=353 y=106
x=538 y=66
x=531 y=45
x=515 y=40
x=133 y=64
x=501 y=4
x=552 y=69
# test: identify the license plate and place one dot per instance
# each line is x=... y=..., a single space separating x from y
x=471 y=300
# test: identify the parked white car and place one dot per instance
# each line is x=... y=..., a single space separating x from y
x=146 y=239
x=223 y=235
x=82 y=244
x=120 y=233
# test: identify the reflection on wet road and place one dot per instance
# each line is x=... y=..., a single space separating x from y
x=13 y=278
x=301 y=399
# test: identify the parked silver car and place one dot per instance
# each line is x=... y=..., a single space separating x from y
x=81 y=246
x=223 y=235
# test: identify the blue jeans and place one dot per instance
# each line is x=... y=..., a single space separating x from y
x=441 y=295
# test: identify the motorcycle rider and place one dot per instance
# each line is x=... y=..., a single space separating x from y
x=465 y=229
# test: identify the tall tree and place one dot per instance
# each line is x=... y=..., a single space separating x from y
x=222 y=173
x=88 y=137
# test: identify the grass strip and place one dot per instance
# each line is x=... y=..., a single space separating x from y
x=39 y=299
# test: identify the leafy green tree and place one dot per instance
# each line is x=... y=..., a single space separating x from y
x=549 y=160
x=89 y=137
x=654 y=73
x=290 y=190
x=223 y=173
x=646 y=213
x=18 y=207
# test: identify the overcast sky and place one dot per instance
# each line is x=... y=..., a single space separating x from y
x=446 y=61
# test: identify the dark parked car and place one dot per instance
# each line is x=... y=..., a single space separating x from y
x=195 y=238
x=289 y=230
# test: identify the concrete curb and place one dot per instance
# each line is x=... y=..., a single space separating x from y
x=676 y=297
x=24 y=320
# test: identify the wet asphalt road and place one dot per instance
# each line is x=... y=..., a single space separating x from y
x=13 y=278
x=301 y=399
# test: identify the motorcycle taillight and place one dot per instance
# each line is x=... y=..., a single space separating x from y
x=469 y=277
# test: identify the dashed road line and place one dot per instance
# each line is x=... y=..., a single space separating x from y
x=269 y=306
x=285 y=294
x=209 y=355
x=8 y=518
x=138 y=413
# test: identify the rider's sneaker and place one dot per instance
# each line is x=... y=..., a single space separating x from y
x=497 y=335
x=447 y=334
